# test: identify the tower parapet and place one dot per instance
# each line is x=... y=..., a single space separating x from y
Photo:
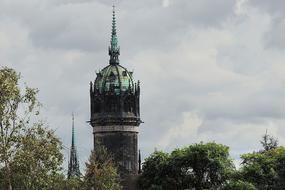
x=115 y=98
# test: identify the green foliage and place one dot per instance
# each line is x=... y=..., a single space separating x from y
x=265 y=169
x=69 y=184
x=156 y=169
x=101 y=174
x=199 y=166
x=238 y=185
x=37 y=161
x=268 y=142
x=30 y=156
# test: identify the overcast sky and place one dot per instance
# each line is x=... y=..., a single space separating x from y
x=210 y=70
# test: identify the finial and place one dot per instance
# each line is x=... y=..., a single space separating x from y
x=114 y=50
x=113 y=10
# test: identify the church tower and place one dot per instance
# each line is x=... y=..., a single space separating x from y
x=73 y=165
x=115 y=110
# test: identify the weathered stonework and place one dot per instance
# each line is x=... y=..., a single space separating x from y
x=124 y=147
x=115 y=128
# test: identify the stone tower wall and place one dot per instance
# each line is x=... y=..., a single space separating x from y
x=123 y=145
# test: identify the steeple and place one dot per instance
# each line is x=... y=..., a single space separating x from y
x=73 y=138
x=73 y=165
x=114 y=49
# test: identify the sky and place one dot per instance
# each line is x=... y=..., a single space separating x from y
x=209 y=70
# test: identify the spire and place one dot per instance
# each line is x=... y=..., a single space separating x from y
x=73 y=138
x=73 y=165
x=114 y=50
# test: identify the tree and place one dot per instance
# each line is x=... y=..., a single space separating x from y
x=265 y=168
x=268 y=142
x=101 y=173
x=208 y=165
x=11 y=123
x=155 y=172
x=69 y=184
x=36 y=164
x=30 y=156
x=238 y=185
x=2 y=183
x=199 y=166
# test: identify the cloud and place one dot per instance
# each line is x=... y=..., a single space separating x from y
x=274 y=37
x=187 y=131
x=165 y=3
x=275 y=8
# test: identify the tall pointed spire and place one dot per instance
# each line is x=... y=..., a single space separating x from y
x=73 y=165
x=114 y=49
x=73 y=137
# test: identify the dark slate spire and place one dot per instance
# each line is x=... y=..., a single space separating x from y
x=72 y=138
x=114 y=49
x=73 y=165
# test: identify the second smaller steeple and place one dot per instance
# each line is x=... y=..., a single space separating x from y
x=73 y=165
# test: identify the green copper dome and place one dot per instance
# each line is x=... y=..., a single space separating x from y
x=114 y=77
